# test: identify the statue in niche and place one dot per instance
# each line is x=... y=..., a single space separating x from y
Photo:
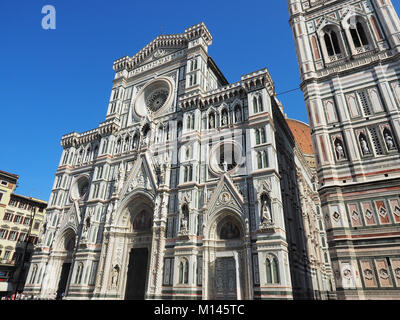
x=238 y=115
x=212 y=121
x=364 y=145
x=146 y=130
x=266 y=218
x=44 y=228
x=389 y=140
x=110 y=212
x=224 y=118
x=86 y=224
x=115 y=276
x=119 y=181
x=339 y=150
x=184 y=218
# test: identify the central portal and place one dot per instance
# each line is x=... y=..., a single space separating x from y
x=225 y=277
x=137 y=274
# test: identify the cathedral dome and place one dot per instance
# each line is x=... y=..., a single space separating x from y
x=302 y=134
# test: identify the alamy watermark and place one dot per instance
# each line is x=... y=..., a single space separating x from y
x=49 y=20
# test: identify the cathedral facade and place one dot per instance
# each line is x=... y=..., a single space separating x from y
x=349 y=60
x=192 y=188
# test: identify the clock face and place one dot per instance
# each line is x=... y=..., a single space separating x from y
x=156 y=99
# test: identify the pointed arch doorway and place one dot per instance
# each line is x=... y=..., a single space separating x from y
x=140 y=210
x=68 y=246
x=227 y=267
x=137 y=274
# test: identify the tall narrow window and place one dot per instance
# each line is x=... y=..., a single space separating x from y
x=255 y=105
x=263 y=137
x=358 y=35
x=184 y=271
x=33 y=275
x=268 y=270
x=199 y=271
x=332 y=43
x=275 y=272
x=259 y=160
x=257 y=132
x=168 y=271
x=375 y=141
x=79 y=271
x=365 y=102
x=260 y=104
x=265 y=159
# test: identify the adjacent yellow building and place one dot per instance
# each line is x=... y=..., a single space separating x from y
x=20 y=223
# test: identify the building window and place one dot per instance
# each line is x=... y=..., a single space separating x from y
x=4 y=183
x=260 y=136
x=6 y=255
x=190 y=121
x=272 y=270
x=1 y=196
x=188 y=173
x=21 y=237
x=79 y=271
x=33 y=275
x=358 y=35
x=168 y=275
x=256 y=270
x=92 y=279
x=27 y=221
x=36 y=225
x=3 y=234
x=17 y=219
x=184 y=271
x=376 y=141
x=332 y=43
x=8 y=216
x=199 y=271
x=262 y=159
x=12 y=236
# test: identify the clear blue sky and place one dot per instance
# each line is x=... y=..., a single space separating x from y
x=54 y=82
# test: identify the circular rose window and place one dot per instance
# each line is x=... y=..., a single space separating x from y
x=80 y=188
x=157 y=99
x=153 y=97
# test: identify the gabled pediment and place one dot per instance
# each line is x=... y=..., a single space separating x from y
x=159 y=47
x=225 y=196
x=164 y=42
x=70 y=219
x=141 y=176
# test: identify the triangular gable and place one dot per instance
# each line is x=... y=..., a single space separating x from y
x=225 y=196
x=175 y=41
x=141 y=176
x=70 y=219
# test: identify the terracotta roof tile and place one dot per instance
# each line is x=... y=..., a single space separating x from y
x=302 y=134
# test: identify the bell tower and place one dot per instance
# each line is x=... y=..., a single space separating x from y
x=349 y=60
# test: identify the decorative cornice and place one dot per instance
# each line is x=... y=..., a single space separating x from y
x=75 y=139
x=249 y=82
x=176 y=41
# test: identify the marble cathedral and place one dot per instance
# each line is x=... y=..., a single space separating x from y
x=192 y=188
x=349 y=60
